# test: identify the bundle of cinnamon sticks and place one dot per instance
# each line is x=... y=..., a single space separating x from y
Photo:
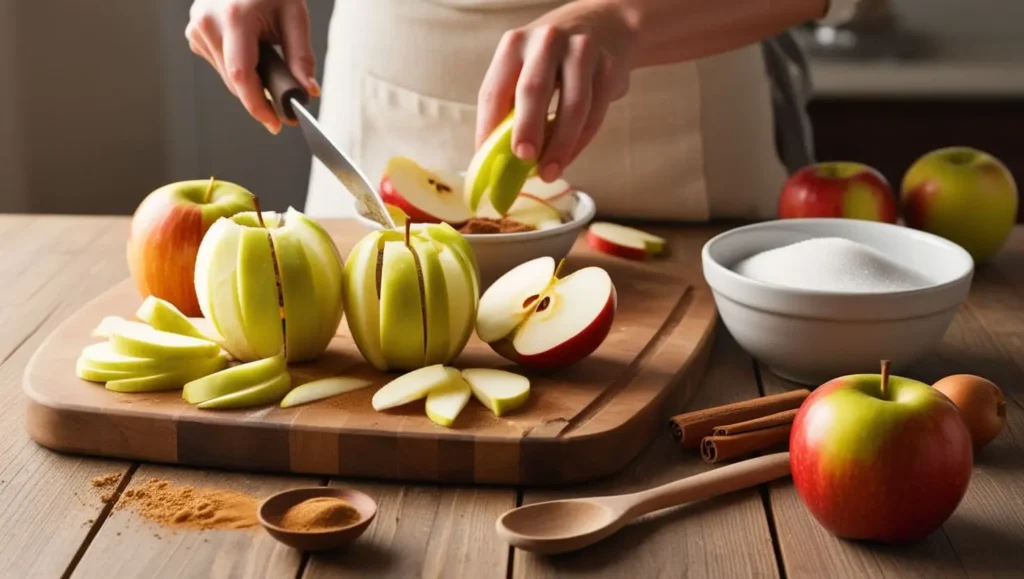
x=732 y=430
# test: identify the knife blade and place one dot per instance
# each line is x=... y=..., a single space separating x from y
x=289 y=100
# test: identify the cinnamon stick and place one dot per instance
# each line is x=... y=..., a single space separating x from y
x=777 y=419
x=690 y=428
x=729 y=446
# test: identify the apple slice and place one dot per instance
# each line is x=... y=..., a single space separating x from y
x=91 y=373
x=401 y=320
x=626 y=242
x=500 y=391
x=233 y=379
x=397 y=214
x=266 y=392
x=496 y=171
x=145 y=342
x=323 y=388
x=108 y=324
x=162 y=315
x=413 y=386
x=102 y=356
x=425 y=196
x=169 y=380
x=510 y=299
x=537 y=187
x=446 y=402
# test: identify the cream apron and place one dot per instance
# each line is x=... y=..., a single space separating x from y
x=689 y=142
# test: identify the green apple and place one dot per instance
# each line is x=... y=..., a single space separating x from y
x=496 y=171
x=108 y=324
x=411 y=299
x=102 y=356
x=265 y=288
x=267 y=392
x=162 y=315
x=171 y=380
x=446 y=402
x=500 y=391
x=145 y=342
x=323 y=388
x=964 y=195
x=414 y=386
x=90 y=373
x=233 y=379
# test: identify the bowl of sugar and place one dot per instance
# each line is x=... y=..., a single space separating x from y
x=814 y=299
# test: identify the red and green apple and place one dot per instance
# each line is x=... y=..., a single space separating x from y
x=838 y=189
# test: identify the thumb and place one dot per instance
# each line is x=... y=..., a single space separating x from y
x=298 y=50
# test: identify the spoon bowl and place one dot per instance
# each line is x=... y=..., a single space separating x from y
x=274 y=507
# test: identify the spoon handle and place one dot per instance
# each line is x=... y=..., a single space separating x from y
x=715 y=482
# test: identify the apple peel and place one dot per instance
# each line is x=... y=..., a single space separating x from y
x=625 y=242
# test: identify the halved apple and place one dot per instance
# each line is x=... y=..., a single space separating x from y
x=171 y=380
x=500 y=391
x=162 y=315
x=497 y=171
x=425 y=196
x=414 y=386
x=266 y=392
x=444 y=403
x=625 y=242
x=534 y=318
x=145 y=342
x=233 y=379
x=322 y=388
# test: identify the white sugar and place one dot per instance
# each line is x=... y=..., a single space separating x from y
x=830 y=264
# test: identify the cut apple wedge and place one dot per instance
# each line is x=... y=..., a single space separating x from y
x=233 y=379
x=145 y=342
x=162 y=315
x=500 y=391
x=102 y=356
x=169 y=380
x=91 y=373
x=267 y=392
x=625 y=242
x=425 y=196
x=496 y=171
x=446 y=402
x=533 y=318
x=108 y=324
x=323 y=388
x=413 y=386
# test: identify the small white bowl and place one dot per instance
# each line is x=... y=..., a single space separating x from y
x=496 y=253
x=812 y=336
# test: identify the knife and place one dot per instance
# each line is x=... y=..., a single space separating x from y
x=289 y=100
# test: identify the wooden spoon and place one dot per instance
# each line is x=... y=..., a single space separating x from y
x=570 y=524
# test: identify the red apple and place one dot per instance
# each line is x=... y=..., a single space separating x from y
x=880 y=458
x=625 y=242
x=166 y=231
x=838 y=189
x=534 y=318
x=425 y=196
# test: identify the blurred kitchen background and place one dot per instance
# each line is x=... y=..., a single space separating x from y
x=101 y=102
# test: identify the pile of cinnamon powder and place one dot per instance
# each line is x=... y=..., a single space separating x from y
x=488 y=225
x=191 y=507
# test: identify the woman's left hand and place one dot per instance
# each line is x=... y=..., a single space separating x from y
x=582 y=49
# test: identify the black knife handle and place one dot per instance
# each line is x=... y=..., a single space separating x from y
x=279 y=82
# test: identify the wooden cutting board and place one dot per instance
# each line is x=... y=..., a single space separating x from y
x=581 y=422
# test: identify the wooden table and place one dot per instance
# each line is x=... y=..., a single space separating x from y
x=54 y=524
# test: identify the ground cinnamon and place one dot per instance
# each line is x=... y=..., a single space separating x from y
x=718 y=448
x=191 y=507
x=690 y=428
x=478 y=225
x=320 y=514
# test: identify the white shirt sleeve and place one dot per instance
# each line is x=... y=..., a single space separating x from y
x=839 y=12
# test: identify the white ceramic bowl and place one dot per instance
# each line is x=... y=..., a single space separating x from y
x=811 y=336
x=496 y=253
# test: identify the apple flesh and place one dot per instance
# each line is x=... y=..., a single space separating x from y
x=233 y=379
x=500 y=391
x=166 y=231
x=838 y=190
x=534 y=318
x=267 y=392
x=413 y=386
x=964 y=195
x=425 y=196
x=496 y=171
x=170 y=380
x=146 y=342
x=445 y=403
x=162 y=315
x=625 y=242
x=880 y=458
x=323 y=388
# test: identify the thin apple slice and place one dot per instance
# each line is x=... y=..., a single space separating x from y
x=162 y=315
x=169 y=380
x=102 y=356
x=258 y=297
x=625 y=242
x=434 y=296
x=449 y=236
x=233 y=379
x=323 y=388
x=510 y=298
x=361 y=301
x=217 y=285
x=413 y=386
x=537 y=187
x=91 y=373
x=462 y=301
x=327 y=270
x=108 y=324
x=267 y=392
x=446 y=402
x=500 y=391
x=401 y=321
x=425 y=196
x=145 y=342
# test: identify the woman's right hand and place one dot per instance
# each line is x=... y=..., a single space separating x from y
x=227 y=33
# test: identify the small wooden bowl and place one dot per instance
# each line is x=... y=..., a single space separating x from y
x=274 y=507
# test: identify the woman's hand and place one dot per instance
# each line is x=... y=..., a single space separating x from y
x=227 y=33
x=583 y=49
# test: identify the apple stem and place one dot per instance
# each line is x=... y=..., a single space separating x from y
x=558 y=269
x=259 y=212
x=408 y=228
x=885 y=379
x=209 y=189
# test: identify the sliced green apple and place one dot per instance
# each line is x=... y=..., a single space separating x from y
x=233 y=379
x=511 y=298
x=169 y=380
x=462 y=301
x=446 y=402
x=323 y=388
x=102 y=356
x=258 y=297
x=162 y=315
x=434 y=295
x=413 y=386
x=326 y=269
x=449 y=236
x=401 y=310
x=216 y=281
x=496 y=171
x=145 y=342
x=266 y=392
x=500 y=391
x=361 y=298
x=91 y=373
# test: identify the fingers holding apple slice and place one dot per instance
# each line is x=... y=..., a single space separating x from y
x=625 y=242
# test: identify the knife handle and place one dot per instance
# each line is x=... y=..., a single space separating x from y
x=279 y=82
